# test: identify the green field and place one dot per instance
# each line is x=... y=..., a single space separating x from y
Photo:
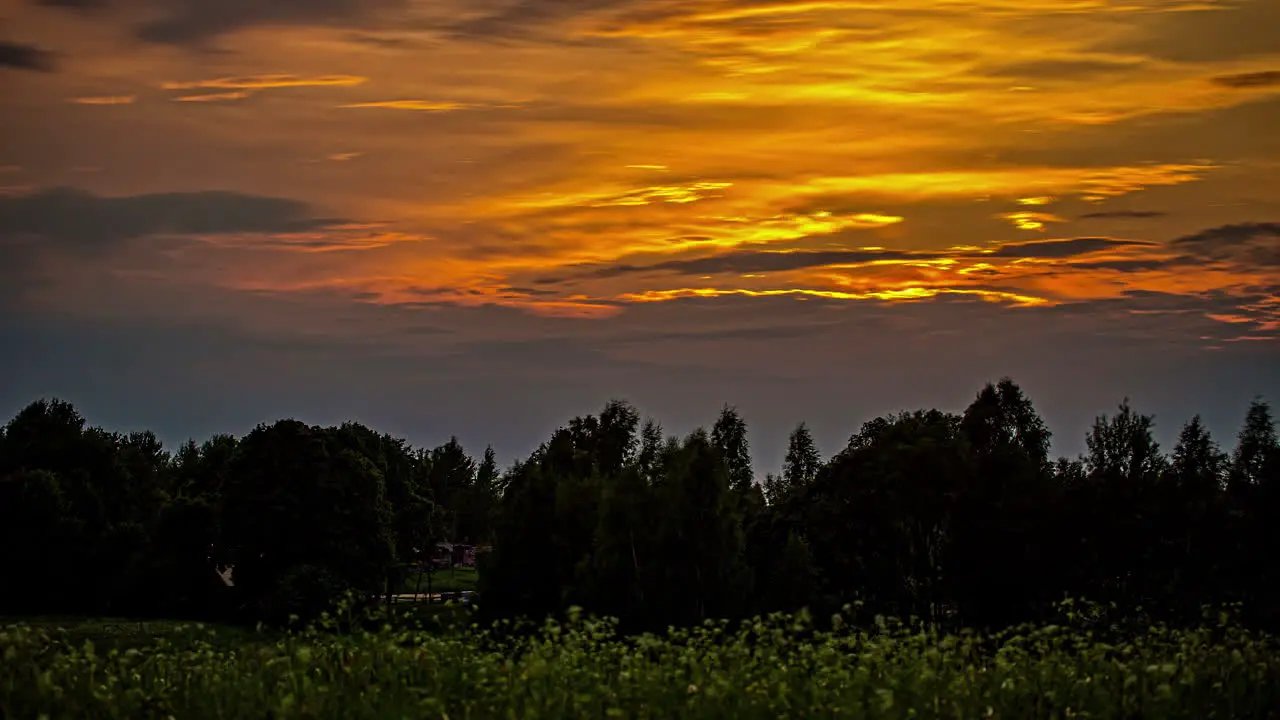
x=779 y=667
x=455 y=579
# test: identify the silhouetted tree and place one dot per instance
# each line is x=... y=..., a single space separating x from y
x=1255 y=445
x=729 y=436
x=958 y=519
x=800 y=465
x=1001 y=511
x=304 y=518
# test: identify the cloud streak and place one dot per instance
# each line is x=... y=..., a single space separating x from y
x=197 y=22
x=21 y=56
x=1261 y=79
x=105 y=100
x=212 y=97
x=69 y=218
x=264 y=82
x=1123 y=215
x=414 y=105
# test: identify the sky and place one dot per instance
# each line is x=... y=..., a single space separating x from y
x=481 y=218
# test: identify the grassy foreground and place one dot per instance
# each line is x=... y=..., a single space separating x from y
x=778 y=667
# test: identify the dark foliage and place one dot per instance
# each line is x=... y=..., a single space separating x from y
x=955 y=519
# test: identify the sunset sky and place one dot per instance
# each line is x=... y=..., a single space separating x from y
x=482 y=218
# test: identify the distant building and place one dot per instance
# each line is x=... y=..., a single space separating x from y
x=457 y=554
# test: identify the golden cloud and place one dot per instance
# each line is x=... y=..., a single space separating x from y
x=213 y=97
x=105 y=100
x=416 y=105
x=1030 y=220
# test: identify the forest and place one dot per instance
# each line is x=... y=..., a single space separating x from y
x=957 y=520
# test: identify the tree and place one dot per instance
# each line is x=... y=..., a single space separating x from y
x=881 y=512
x=999 y=514
x=774 y=489
x=961 y=520
x=795 y=579
x=1255 y=445
x=1002 y=421
x=1253 y=485
x=487 y=475
x=1123 y=447
x=1192 y=523
x=35 y=513
x=301 y=503
x=1119 y=560
x=802 y=462
x=1198 y=464
x=622 y=556
x=649 y=458
x=520 y=576
x=86 y=472
x=617 y=443
x=700 y=536
x=729 y=436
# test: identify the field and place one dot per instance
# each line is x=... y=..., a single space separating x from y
x=455 y=579
x=777 y=667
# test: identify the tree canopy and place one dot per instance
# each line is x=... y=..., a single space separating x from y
x=955 y=518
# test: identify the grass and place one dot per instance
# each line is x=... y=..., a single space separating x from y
x=123 y=633
x=456 y=579
x=775 y=667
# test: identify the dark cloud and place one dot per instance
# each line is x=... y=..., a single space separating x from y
x=384 y=43
x=1167 y=302
x=519 y=19
x=40 y=230
x=75 y=219
x=80 y=5
x=1266 y=78
x=1237 y=234
x=20 y=56
x=536 y=292
x=193 y=22
x=1123 y=215
x=1236 y=31
x=1051 y=249
x=763 y=261
x=751 y=261
x=1122 y=265
x=1051 y=69
x=1255 y=243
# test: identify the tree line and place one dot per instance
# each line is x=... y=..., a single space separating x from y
x=96 y=522
x=961 y=519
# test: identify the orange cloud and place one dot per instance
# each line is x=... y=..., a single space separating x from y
x=105 y=100
x=668 y=133
x=1090 y=183
x=417 y=105
x=907 y=294
x=1030 y=220
x=262 y=82
x=213 y=97
x=337 y=238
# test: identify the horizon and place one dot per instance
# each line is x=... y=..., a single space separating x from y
x=828 y=442
x=482 y=219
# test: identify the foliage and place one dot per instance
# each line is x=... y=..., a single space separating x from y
x=298 y=514
x=776 y=666
x=962 y=520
